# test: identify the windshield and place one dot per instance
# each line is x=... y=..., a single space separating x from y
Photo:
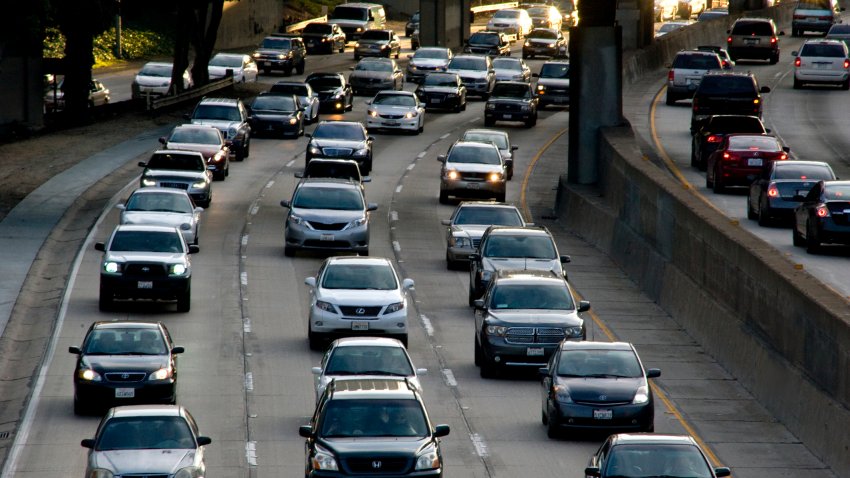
x=527 y=296
x=159 y=202
x=373 y=418
x=276 y=43
x=368 y=360
x=837 y=192
x=274 y=103
x=538 y=11
x=322 y=83
x=468 y=64
x=322 y=28
x=474 y=155
x=500 y=140
x=508 y=90
x=484 y=39
x=544 y=34
x=812 y=172
x=377 y=35
x=754 y=143
x=359 y=277
x=372 y=65
x=217 y=112
x=434 y=53
x=683 y=461
x=599 y=363
x=289 y=89
x=146 y=241
x=394 y=100
x=127 y=341
x=498 y=216
x=338 y=199
x=145 y=433
x=555 y=70
x=727 y=85
x=348 y=13
x=529 y=247
x=209 y=136
x=503 y=14
x=439 y=79
x=228 y=61
x=507 y=64
x=178 y=162
x=156 y=70
x=339 y=131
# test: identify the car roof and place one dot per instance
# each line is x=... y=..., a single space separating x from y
x=486 y=131
x=651 y=439
x=823 y=41
x=473 y=144
x=696 y=52
x=370 y=341
x=178 y=152
x=145 y=228
x=552 y=30
x=159 y=63
x=159 y=190
x=347 y=123
x=798 y=162
x=234 y=55
x=557 y=62
x=220 y=101
x=835 y=183
x=195 y=126
x=147 y=411
x=125 y=324
x=359 y=260
x=328 y=183
x=426 y=48
x=741 y=74
x=384 y=388
x=487 y=204
x=513 y=230
x=530 y=276
x=395 y=93
x=591 y=345
x=514 y=83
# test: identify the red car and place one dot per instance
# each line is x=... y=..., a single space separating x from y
x=741 y=158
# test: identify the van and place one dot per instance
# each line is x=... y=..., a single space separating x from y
x=356 y=18
x=815 y=16
x=754 y=38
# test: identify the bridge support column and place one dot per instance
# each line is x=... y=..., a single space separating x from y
x=443 y=23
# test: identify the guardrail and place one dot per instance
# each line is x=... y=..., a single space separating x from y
x=161 y=102
x=493 y=7
x=300 y=25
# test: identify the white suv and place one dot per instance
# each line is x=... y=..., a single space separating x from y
x=822 y=61
x=686 y=72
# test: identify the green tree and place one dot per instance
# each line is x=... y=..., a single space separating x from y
x=197 y=25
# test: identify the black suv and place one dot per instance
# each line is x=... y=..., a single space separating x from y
x=372 y=427
x=488 y=43
x=522 y=318
x=281 y=52
x=709 y=136
x=511 y=101
x=726 y=93
x=512 y=248
x=335 y=93
x=323 y=37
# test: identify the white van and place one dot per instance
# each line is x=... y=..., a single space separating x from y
x=356 y=18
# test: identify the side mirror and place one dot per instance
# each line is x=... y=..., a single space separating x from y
x=198 y=209
x=121 y=207
x=351 y=68
x=653 y=373
x=479 y=304
x=163 y=139
x=143 y=164
x=310 y=281
x=87 y=443
x=372 y=206
x=514 y=148
x=285 y=203
x=566 y=259
x=177 y=350
x=202 y=440
x=441 y=158
x=441 y=430
x=370 y=138
x=193 y=249
x=764 y=89
x=786 y=149
x=99 y=246
x=74 y=350
x=299 y=174
x=795 y=53
x=368 y=102
x=543 y=372
x=316 y=370
x=408 y=284
x=767 y=130
x=366 y=179
x=446 y=222
x=305 y=431
x=728 y=31
x=583 y=306
x=722 y=471
x=592 y=471
x=668 y=66
x=421 y=371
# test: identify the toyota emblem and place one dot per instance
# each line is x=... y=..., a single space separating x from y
x=125 y=376
x=603 y=397
x=361 y=311
x=376 y=464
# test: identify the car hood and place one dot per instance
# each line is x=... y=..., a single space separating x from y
x=126 y=363
x=554 y=81
x=152 y=80
x=206 y=150
x=222 y=125
x=592 y=389
x=470 y=73
x=474 y=231
x=139 y=256
x=337 y=143
x=474 y=167
x=361 y=297
x=376 y=446
x=507 y=264
x=537 y=317
x=159 y=218
x=143 y=461
x=429 y=62
x=381 y=75
x=173 y=173
x=438 y=89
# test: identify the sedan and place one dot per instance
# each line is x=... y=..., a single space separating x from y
x=341 y=140
x=597 y=385
x=396 y=110
x=636 y=455
x=545 y=42
x=442 y=90
x=276 y=114
x=160 y=206
x=710 y=133
x=147 y=440
x=366 y=357
x=242 y=67
x=383 y=43
x=124 y=363
x=511 y=69
x=740 y=159
x=427 y=60
x=469 y=221
x=54 y=98
x=502 y=141
x=206 y=140
x=358 y=296
x=823 y=216
x=772 y=194
x=308 y=98
x=334 y=92
x=371 y=75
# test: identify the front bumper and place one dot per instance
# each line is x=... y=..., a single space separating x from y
x=274 y=64
x=327 y=323
x=460 y=187
x=104 y=392
x=275 y=128
x=581 y=416
x=501 y=353
x=333 y=105
x=407 y=124
x=301 y=237
x=143 y=287
x=496 y=115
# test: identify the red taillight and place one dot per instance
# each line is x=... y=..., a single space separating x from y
x=713 y=139
x=772 y=39
x=825 y=18
x=729 y=40
x=797 y=62
x=772 y=191
x=822 y=211
x=783 y=157
x=670 y=76
x=729 y=157
x=846 y=64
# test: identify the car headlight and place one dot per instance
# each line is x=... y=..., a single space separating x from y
x=281 y=56
x=356 y=223
x=486 y=276
x=452 y=174
x=573 y=332
x=562 y=394
x=461 y=241
x=413 y=68
x=383 y=47
x=357 y=44
x=101 y=473
x=148 y=182
x=199 y=185
x=298 y=220
x=494 y=177
x=188 y=472
x=362 y=152
x=112 y=267
x=178 y=269
x=256 y=54
x=498 y=330
x=394 y=307
x=550 y=45
x=323 y=459
x=372 y=113
x=315 y=150
x=293 y=120
x=525 y=108
x=541 y=88
x=88 y=375
x=411 y=114
x=217 y=157
x=429 y=459
x=161 y=374
x=326 y=306
x=359 y=29
x=642 y=395
x=490 y=106
x=325 y=39
x=527 y=43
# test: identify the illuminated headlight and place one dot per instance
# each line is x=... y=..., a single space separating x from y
x=200 y=185
x=218 y=157
x=101 y=473
x=518 y=77
x=256 y=54
x=89 y=375
x=148 y=182
x=527 y=43
x=411 y=114
x=525 y=108
x=497 y=330
x=293 y=120
x=324 y=40
x=394 y=307
x=642 y=395
x=296 y=219
x=338 y=106
x=161 y=374
x=383 y=47
x=453 y=175
x=541 y=88
x=323 y=459
x=281 y=56
x=429 y=459
x=315 y=150
x=185 y=226
x=372 y=113
x=494 y=177
x=551 y=45
x=461 y=241
x=357 y=44
x=573 y=332
x=112 y=267
x=361 y=152
x=491 y=106
x=413 y=67
x=562 y=394
x=326 y=306
x=231 y=132
x=359 y=29
x=356 y=223
x=178 y=269
x=188 y=472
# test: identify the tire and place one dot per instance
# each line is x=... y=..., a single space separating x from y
x=485 y=96
x=444 y=197
x=487 y=370
x=314 y=340
x=489 y=122
x=266 y=71
x=708 y=183
x=472 y=296
x=797 y=84
x=105 y=299
x=751 y=213
x=184 y=301
x=403 y=339
x=364 y=252
x=479 y=355
x=717 y=185
x=846 y=85
x=552 y=430
x=796 y=238
x=300 y=67
x=288 y=251
x=81 y=409
x=531 y=122
x=694 y=155
x=774 y=59
x=356 y=57
x=763 y=215
x=671 y=100
x=342 y=49
x=813 y=245
x=218 y=176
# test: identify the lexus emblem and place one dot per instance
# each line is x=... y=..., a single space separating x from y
x=603 y=397
x=146 y=269
x=125 y=376
x=361 y=311
x=376 y=464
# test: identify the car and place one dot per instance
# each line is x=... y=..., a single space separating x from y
x=341 y=140
x=366 y=358
x=512 y=248
x=822 y=62
x=711 y=132
x=726 y=92
x=320 y=37
x=472 y=169
x=522 y=318
x=147 y=440
x=278 y=52
x=545 y=16
x=411 y=24
x=772 y=195
x=381 y=43
x=839 y=31
x=712 y=13
x=815 y=16
x=334 y=92
x=355 y=18
x=230 y=116
x=54 y=97
x=327 y=215
x=545 y=42
x=822 y=216
x=308 y=98
x=276 y=114
x=371 y=75
x=425 y=61
x=671 y=26
x=498 y=137
x=395 y=110
x=243 y=68
x=333 y=168
x=414 y=40
x=597 y=386
x=727 y=62
x=362 y=425
x=476 y=73
x=124 y=363
x=686 y=72
x=442 y=90
x=665 y=9
x=146 y=262
x=511 y=101
x=487 y=43
x=177 y=169
x=754 y=38
x=553 y=84
x=635 y=455
x=205 y=139
x=511 y=21
x=688 y=8
x=163 y=207
x=741 y=158
x=469 y=221
x=353 y=296
x=154 y=80
x=511 y=69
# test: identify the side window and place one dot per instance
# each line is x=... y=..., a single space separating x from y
x=603 y=455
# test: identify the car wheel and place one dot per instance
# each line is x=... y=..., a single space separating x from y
x=649 y=428
x=763 y=214
x=751 y=213
x=796 y=238
x=717 y=186
x=300 y=68
x=693 y=154
x=552 y=429
x=464 y=104
x=774 y=59
x=797 y=84
x=314 y=340
x=288 y=251
x=708 y=182
x=444 y=197
x=218 y=175
x=266 y=71
x=488 y=369
x=489 y=122
x=510 y=172
x=81 y=408
x=457 y=108
x=812 y=242
x=402 y=338
x=184 y=300
x=287 y=71
x=485 y=96
x=364 y=252
x=671 y=100
x=479 y=355
x=846 y=84
x=105 y=298
x=356 y=57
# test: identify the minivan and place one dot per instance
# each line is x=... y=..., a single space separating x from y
x=356 y=18
x=815 y=16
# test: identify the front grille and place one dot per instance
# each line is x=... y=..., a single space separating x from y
x=509 y=107
x=599 y=403
x=334 y=226
x=170 y=184
x=392 y=116
x=367 y=311
x=534 y=335
x=378 y=465
x=474 y=176
x=157 y=475
x=146 y=270
x=337 y=152
x=125 y=377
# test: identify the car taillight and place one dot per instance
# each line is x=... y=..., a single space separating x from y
x=825 y=18
x=729 y=40
x=773 y=191
x=772 y=40
x=713 y=139
x=729 y=156
x=783 y=157
x=846 y=64
x=670 y=75
x=797 y=62
x=822 y=211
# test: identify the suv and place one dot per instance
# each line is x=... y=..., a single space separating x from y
x=709 y=136
x=488 y=43
x=511 y=101
x=472 y=169
x=553 y=83
x=726 y=93
x=508 y=247
x=356 y=18
x=278 y=52
x=230 y=116
x=822 y=61
x=383 y=43
x=146 y=262
x=360 y=426
x=815 y=16
x=476 y=73
x=341 y=140
x=687 y=71
x=754 y=38
x=323 y=37
x=184 y=170
x=468 y=223
x=522 y=318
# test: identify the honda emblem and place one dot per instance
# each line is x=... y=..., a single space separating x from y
x=376 y=464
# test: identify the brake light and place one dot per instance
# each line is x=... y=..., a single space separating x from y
x=713 y=139
x=825 y=18
x=797 y=62
x=783 y=156
x=846 y=64
x=670 y=75
x=822 y=211
x=729 y=157
x=773 y=191
x=729 y=40
x=772 y=39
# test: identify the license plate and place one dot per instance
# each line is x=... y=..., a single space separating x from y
x=327 y=237
x=473 y=186
x=391 y=123
x=125 y=392
x=754 y=162
x=803 y=192
x=751 y=41
x=506 y=116
x=603 y=414
x=435 y=100
x=360 y=326
x=813 y=19
x=145 y=284
x=534 y=351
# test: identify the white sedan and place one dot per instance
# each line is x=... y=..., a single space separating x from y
x=244 y=67
x=399 y=110
x=157 y=206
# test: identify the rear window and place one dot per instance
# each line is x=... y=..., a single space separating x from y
x=802 y=171
x=742 y=124
x=754 y=143
x=375 y=35
x=318 y=28
x=829 y=51
x=814 y=5
x=727 y=86
x=752 y=28
x=841 y=193
x=697 y=62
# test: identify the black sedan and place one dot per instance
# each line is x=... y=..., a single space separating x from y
x=511 y=101
x=708 y=137
x=443 y=91
x=545 y=42
x=335 y=94
x=597 y=385
x=823 y=216
x=122 y=363
x=278 y=115
x=341 y=140
x=772 y=194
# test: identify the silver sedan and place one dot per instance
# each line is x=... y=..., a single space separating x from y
x=399 y=110
x=163 y=207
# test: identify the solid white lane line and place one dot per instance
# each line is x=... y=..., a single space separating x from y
x=399 y=188
x=421 y=155
x=426 y=324
x=290 y=163
x=449 y=378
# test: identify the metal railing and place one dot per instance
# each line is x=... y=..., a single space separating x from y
x=493 y=7
x=163 y=101
x=300 y=25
